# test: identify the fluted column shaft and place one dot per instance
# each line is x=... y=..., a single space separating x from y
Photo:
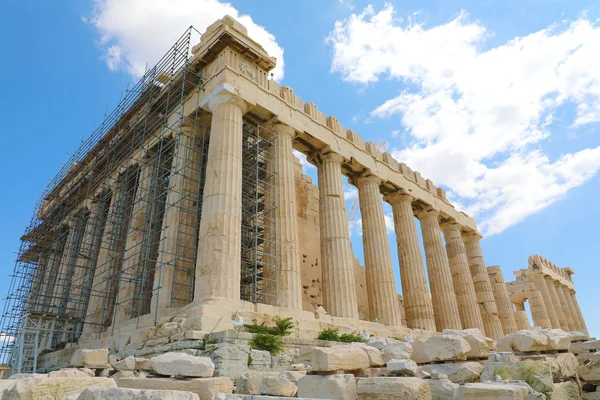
x=521 y=317
x=506 y=311
x=381 y=285
x=418 y=306
x=582 y=323
x=218 y=266
x=339 y=293
x=569 y=323
x=561 y=322
x=178 y=237
x=537 y=304
x=464 y=289
x=288 y=257
x=445 y=306
x=483 y=287
x=572 y=309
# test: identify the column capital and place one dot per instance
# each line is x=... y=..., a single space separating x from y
x=472 y=236
x=450 y=225
x=325 y=154
x=398 y=197
x=224 y=94
x=426 y=211
x=363 y=178
x=283 y=129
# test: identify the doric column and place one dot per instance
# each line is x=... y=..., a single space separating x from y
x=556 y=307
x=470 y=316
x=572 y=309
x=569 y=323
x=506 y=311
x=578 y=312
x=445 y=306
x=539 y=312
x=339 y=293
x=218 y=266
x=172 y=279
x=66 y=267
x=103 y=272
x=381 y=285
x=543 y=318
x=289 y=284
x=418 y=306
x=483 y=287
x=126 y=306
x=521 y=317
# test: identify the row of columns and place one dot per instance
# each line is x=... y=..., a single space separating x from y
x=557 y=306
x=462 y=293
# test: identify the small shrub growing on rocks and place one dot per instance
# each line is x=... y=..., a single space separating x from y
x=503 y=372
x=265 y=341
x=349 y=338
x=283 y=326
x=330 y=334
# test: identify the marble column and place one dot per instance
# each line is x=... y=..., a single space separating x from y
x=337 y=260
x=539 y=313
x=289 y=284
x=418 y=306
x=569 y=323
x=506 y=311
x=572 y=309
x=172 y=279
x=445 y=306
x=381 y=285
x=548 y=310
x=578 y=312
x=483 y=287
x=464 y=289
x=130 y=277
x=556 y=307
x=103 y=271
x=65 y=270
x=218 y=265
x=522 y=322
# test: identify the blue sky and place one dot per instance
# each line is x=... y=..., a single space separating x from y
x=498 y=102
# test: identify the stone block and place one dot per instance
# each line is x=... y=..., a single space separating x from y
x=72 y=373
x=480 y=345
x=97 y=358
x=457 y=372
x=578 y=336
x=53 y=388
x=557 y=339
x=503 y=356
x=126 y=364
x=293 y=376
x=205 y=388
x=494 y=391
x=278 y=386
x=442 y=389
x=102 y=393
x=223 y=396
x=563 y=365
x=591 y=370
x=529 y=340
x=380 y=342
x=591 y=345
x=445 y=347
x=249 y=383
x=393 y=389
x=259 y=360
x=537 y=374
x=337 y=386
x=568 y=390
x=344 y=357
x=402 y=367
x=184 y=365
x=143 y=364
x=230 y=360
x=397 y=351
x=375 y=358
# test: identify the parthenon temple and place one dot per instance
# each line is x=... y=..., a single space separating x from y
x=188 y=201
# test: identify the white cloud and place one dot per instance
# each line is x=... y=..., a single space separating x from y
x=306 y=166
x=476 y=117
x=136 y=33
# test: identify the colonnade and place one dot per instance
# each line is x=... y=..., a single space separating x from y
x=462 y=295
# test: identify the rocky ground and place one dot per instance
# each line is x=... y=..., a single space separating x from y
x=529 y=364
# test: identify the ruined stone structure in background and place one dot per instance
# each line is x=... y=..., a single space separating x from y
x=188 y=201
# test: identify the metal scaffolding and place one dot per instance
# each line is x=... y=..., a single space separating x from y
x=123 y=210
x=259 y=225
x=114 y=236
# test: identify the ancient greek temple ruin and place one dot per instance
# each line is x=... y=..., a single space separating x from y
x=188 y=201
